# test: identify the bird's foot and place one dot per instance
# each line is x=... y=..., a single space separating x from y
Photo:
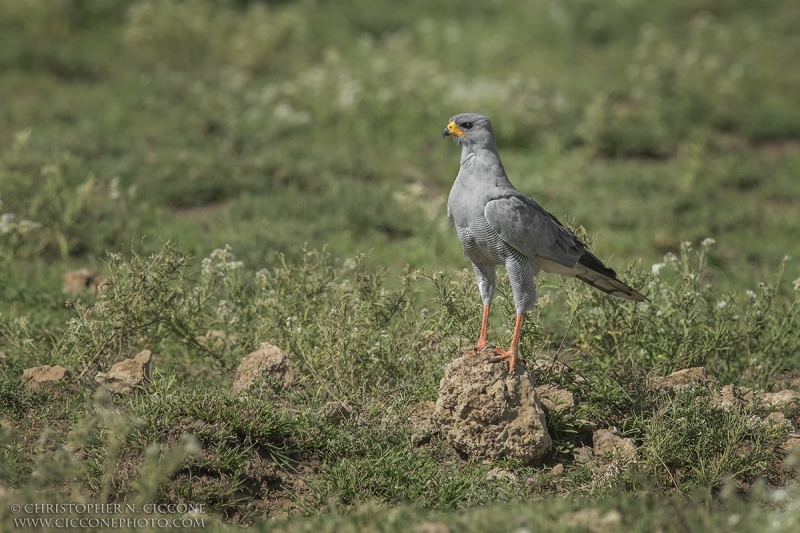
x=505 y=355
x=479 y=348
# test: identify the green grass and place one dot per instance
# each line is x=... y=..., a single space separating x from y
x=296 y=147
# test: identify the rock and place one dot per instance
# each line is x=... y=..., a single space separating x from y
x=422 y=424
x=610 y=445
x=125 y=376
x=338 y=412
x=45 y=375
x=684 y=378
x=268 y=360
x=555 y=398
x=732 y=397
x=782 y=399
x=483 y=411
x=500 y=473
x=557 y=470
x=790 y=444
x=583 y=455
x=791 y=382
x=777 y=418
x=78 y=281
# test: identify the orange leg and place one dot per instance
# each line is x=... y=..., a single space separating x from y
x=482 y=343
x=484 y=329
x=510 y=355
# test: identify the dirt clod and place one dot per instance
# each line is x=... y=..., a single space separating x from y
x=732 y=397
x=684 y=378
x=268 y=360
x=555 y=398
x=83 y=279
x=785 y=399
x=39 y=376
x=610 y=445
x=127 y=375
x=483 y=411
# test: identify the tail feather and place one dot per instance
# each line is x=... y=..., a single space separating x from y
x=589 y=269
x=611 y=286
x=599 y=276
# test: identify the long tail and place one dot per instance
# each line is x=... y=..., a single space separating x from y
x=591 y=270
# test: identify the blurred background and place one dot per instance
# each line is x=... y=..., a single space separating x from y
x=269 y=125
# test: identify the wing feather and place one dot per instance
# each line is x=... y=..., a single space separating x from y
x=532 y=231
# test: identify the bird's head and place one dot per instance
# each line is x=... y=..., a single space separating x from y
x=471 y=129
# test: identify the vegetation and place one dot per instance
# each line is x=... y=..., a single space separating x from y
x=273 y=172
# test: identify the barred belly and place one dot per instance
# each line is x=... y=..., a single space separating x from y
x=484 y=247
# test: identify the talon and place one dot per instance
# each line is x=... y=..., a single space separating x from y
x=504 y=355
x=478 y=349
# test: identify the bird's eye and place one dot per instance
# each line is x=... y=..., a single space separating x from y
x=468 y=125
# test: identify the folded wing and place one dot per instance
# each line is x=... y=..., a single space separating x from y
x=532 y=231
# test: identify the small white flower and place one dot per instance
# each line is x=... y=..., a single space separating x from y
x=263 y=276
x=796 y=284
x=205 y=266
x=708 y=241
x=670 y=258
x=752 y=294
x=722 y=304
x=223 y=309
x=657 y=268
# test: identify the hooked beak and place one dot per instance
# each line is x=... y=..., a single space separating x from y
x=454 y=130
